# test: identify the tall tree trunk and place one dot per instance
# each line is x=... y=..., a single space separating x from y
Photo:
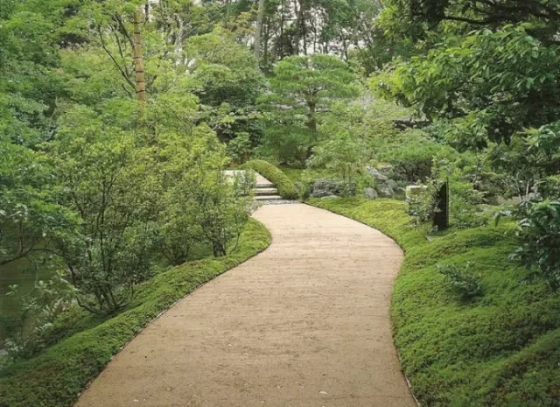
x=258 y=31
x=139 y=57
x=266 y=40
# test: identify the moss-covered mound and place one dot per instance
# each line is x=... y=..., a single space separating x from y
x=56 y=377
x=285 y=186
x=501 y=349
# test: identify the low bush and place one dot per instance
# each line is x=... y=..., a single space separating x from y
x=500 y=350
x=539 y=241
x=461 y=280
x=56 y=377
x=285 y=186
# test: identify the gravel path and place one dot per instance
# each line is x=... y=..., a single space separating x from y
x=304 y=324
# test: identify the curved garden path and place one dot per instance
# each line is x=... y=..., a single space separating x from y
x=305 y=323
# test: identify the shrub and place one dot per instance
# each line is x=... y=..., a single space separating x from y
x=461 y=280
x=539 y=237
x=344 y=156
x=240 y=148
x=286 y=187
x=30 y=330
x=412 y=162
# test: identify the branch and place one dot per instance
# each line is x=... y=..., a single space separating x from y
x=104 y=46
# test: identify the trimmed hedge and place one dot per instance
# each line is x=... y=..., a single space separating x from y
x=499 y=350
x=57 y=376
x=285 y=186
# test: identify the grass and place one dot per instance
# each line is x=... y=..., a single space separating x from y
x=499 y=350
x=285 y=186
x=56 y=376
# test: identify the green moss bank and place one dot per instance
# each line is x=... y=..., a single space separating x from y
x=501 y=350
x=56 y=377
x=286 y=188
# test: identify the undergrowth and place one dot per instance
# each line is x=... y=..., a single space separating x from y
x=56 y=377
x=501 y=349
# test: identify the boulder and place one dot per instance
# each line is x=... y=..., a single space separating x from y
x=384 y=186
x=376 y=174
x=324 y=187
x=385 y=190
x=370 y=193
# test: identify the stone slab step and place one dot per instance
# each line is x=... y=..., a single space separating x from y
x=264 y=184
x=265 y=191
x=268 y=198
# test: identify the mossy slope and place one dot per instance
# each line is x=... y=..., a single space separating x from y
x=502 y=350
x=55 y=377
x=286 y=188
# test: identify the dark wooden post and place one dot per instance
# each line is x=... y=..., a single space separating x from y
x=441 y=217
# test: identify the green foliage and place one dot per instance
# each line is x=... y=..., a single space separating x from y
x=412 y=162
x=461 y=280
x=103 y=181
x=539 y=240
x=224 y=75
x=56 y=377
x=285 y=186
x=30 y=217
x=500 y=350
x=240 y=148
x=343 y=156
x=528 y=160
x=302 y=91
x=31 y=330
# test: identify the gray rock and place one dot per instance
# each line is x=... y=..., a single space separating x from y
x=376 y=174
x=324 y=187
x=384 y=186
x=370 y=193
x=385 y=190
x=329 y=197
x=299 y=186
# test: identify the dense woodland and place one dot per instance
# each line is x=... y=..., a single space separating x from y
x=118 y=117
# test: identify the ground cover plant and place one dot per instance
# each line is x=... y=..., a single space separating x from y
x=499 y=348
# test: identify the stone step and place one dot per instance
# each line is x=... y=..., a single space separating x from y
x=263 y=184
x=265 y=191
x=268 y=198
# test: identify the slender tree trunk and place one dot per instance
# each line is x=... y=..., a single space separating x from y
x=139 y=57
x=258 y=31
x=282 y=18
x=266 y=40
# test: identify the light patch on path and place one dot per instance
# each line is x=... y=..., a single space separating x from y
x=304 y=324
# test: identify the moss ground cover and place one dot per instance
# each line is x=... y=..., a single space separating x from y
x=285 y=186
x=56 y=376
x=500 y=349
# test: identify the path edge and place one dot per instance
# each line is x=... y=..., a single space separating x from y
x=409 y=385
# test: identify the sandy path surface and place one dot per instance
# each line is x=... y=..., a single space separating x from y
x=304 y=324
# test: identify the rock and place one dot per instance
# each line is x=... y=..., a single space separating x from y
x=370 y=193
x=327 y=187
x=385 y=170
x=323 y=188
x=383 y=185
x=376 y=174
x=299 y=186
x=385 y=190
x=329 y=197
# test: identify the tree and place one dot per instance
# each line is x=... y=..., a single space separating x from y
x=302 y=90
